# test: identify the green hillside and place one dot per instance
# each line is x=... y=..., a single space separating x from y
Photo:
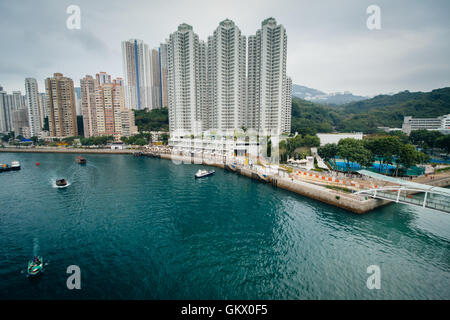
x=153 y=120
x=367 y=115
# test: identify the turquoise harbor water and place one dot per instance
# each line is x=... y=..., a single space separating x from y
x=143 y=228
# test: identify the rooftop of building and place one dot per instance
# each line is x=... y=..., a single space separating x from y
x=184 y=27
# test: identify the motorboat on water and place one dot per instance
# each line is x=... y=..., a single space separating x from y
x=35 y=266
x=61 y=183
x=4 y=167
x=15 y=165
x=204 y=173
x=80 y=160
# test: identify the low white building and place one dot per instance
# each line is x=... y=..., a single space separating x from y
x=118 y=146
x=441 y=123
x=214 y=145
x=326 y=138
x=307 y=163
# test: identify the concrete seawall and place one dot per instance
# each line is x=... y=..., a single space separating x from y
x=342 y=200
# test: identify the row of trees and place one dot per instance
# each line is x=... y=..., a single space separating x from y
x=96 y=141
x=388 y=150
x=140 y=139
x=429 y=140
x=290 y=147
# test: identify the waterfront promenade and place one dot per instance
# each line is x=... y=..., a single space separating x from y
x=333 y=188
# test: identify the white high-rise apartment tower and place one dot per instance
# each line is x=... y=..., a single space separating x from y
x=227 y=78
x=186 y=60
x=287 y=112
x=32 y=101
x=267 y=81
x=136 y=70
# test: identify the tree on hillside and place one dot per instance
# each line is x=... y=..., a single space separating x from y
x=287 y=147
x=425 y=139
x=352 y=150
x=153 y=120
x=96 y=141
x=140 y=139
x=443 y=143
x=165 y=138
x=399 y=134
x=407 y=157
x=328 y=151
x=384 y=150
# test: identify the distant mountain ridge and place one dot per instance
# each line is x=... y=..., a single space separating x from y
x=318 y=96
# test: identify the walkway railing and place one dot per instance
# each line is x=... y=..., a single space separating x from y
x=425 y=197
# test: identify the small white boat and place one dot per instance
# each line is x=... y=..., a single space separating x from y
x=204 y=173
x=15 y=165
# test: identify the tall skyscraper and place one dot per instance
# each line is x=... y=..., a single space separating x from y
x=156 y=78
x=61 y=106
x=77 y=91
x=18 y=100
x=9 y=109
x=32 y=99
x=164 y=74
x=21 y=124
x=14 y=113
x=227 y=77
x=42 y=108
x=287 y=112
x=136 y=70
x=3 y=111
x=267 y=78
x=88 y=87
x=110 y=103
x=186 y=61
x=202 y=86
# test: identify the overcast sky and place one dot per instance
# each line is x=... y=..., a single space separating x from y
x=329 y=46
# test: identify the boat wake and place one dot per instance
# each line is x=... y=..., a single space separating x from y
x=35 y=247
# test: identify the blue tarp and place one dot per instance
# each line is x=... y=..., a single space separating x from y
x=341 y=165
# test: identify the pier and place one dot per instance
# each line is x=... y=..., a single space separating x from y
x=346 y=193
